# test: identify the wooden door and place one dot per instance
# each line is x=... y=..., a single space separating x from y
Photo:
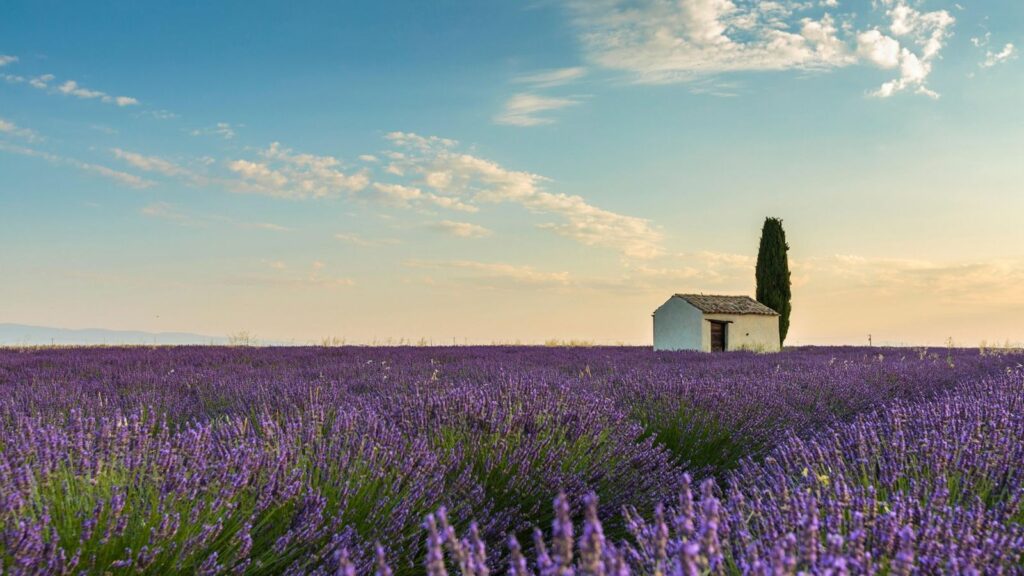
x=718 y=336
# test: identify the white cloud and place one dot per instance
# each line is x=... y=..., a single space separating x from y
x=71 y=88
x=397 y=194
x=438 y=180
x=283 y=173
x=477 y=181
x=222 y=129
x=449 y=203
x=406 y=196
x=130 y=180
x=1008 y=52
x=41 y=82
x=150 y=163
x=461 y=229
x=662 y=41
x=550 y=78
x=878 y=49
x=678 y=40
x=6 y=59
x=260 y=176
x=928 y=31
x=522 y=109
x=8 y=127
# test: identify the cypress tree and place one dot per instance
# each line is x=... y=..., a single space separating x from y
x=773 y=283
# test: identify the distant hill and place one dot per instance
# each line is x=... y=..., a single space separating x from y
x=26 y=335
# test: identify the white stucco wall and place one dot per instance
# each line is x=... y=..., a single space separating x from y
x=677 y=326
x=746 y=332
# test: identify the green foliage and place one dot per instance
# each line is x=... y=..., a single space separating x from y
x=772 y=272
x=695 y=438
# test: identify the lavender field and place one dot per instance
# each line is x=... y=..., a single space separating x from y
x=510 y=460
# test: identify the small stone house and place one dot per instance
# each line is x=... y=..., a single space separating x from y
x=715 y=324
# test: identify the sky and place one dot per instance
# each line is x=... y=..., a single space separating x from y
x=496 y=172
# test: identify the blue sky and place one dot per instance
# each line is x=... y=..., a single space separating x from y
x=502 y=171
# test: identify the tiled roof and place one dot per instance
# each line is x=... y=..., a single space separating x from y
x=711 y=304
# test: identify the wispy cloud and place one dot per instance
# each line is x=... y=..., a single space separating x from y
x=525 y=109
x=477 y=181
x=150 y=163
x=130 y=180
x=461 y=229
x=12 y=129
x=550 y=78
x=71 y=88
x=1008 y=53
x=359 y=240
x=221 y=129
x=189 y=219
x=6 y=59
x=495 y=275
x=41 y=82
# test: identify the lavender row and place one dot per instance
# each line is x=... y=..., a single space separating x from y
x=932 y=488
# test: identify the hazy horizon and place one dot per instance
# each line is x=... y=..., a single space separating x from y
x=500 y=172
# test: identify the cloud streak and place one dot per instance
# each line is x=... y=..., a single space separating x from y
x=526 y=109
x=71 y=88
x=171 y=213
x=478 y=181
x=150 y=163
x=461 y=229
x=551 y=78
x=12 y=129
x=124 y=178
x=359 y=240
x=67 y=88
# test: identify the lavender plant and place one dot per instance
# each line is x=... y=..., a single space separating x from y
x=317 y=460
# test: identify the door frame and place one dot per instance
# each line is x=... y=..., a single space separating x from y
x=725 y=334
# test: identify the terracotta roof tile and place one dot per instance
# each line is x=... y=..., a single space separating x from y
x=712 y=304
